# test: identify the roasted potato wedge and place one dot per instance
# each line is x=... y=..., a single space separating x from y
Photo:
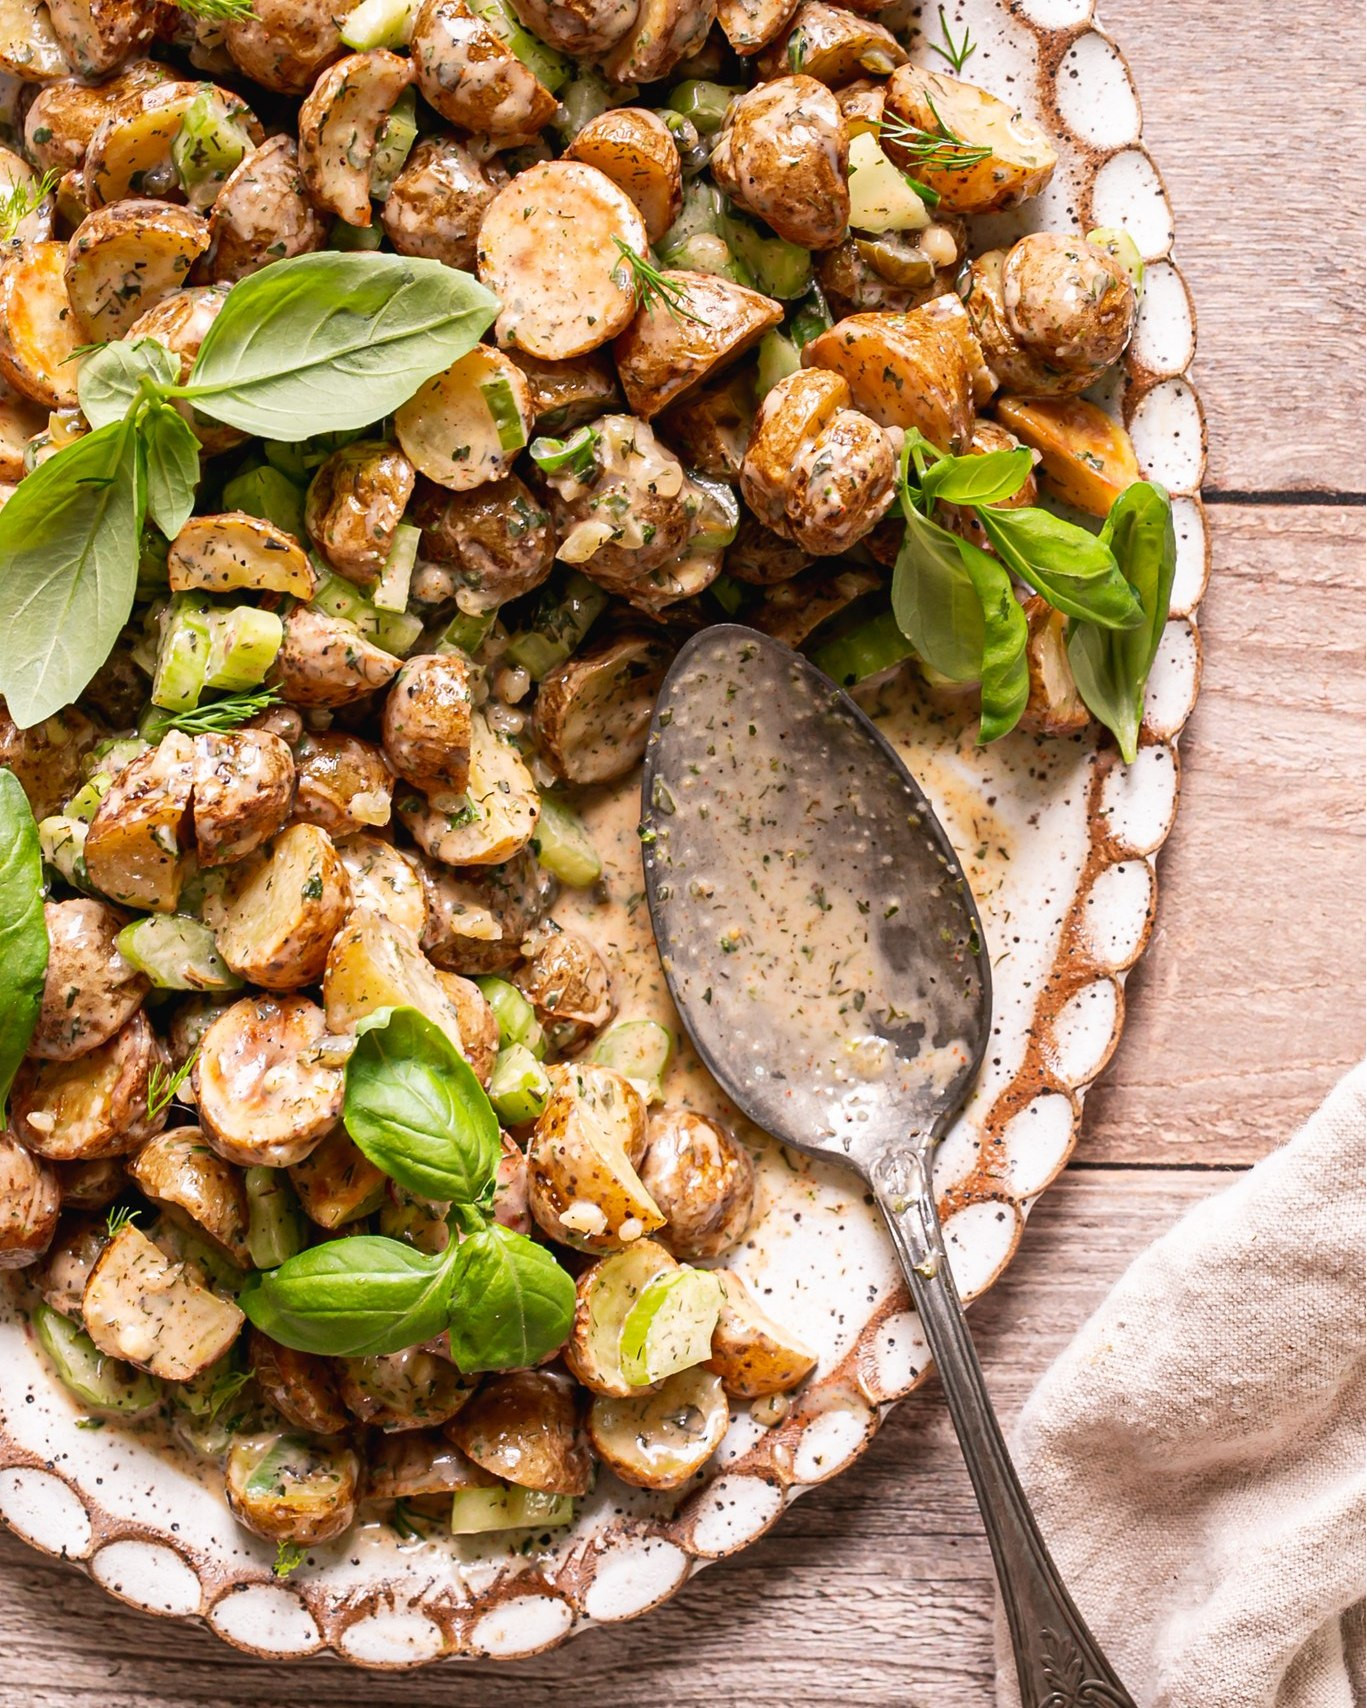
x=385 y=881
x=492 y=820
x=414 y=1389
x=604 y=1296
x=663 y=33
x=243 y=786
x=523 y=1426
x=266 y=1090
x=30 y=1201
x=592 y=715
x=702 y=1179
x=374 y=964
x=672 y=346
x=558 y=298
x=1020 y=159
x=567 y=983
x=783 y=155
x=125 y=258
x=134 y=851
x=39 y=328
x=754 y=1355
x=750 y=25
x=36 y=213
x=567 y=394
x=282 y=908
x=232 y=551
x=435 y=205
x=143 y=1307
x=131 y=152
x=193 y=1185
x=658 y=1440
x=497 y=537
x=586 y=29
x=339 y=126
x=284 y=44
x=29 y=49
x=905 y=370
x=464 y=427
x=1086 y=459
x=64 y=115
x=426 y=722
x=791 y=415
x=476 y=920
x=324 y=661
x=90 y=990
x=634 y=148
x=478 y=1025
x=98 y=35
x=337 y=1182
x=832 y=44
x=583 y=1187
x=472 y=77
x=262 y=214
x=290 y=1489
x=355 y=504
x=302 y=1387
x=342 y=784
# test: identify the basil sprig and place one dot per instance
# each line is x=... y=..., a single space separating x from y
x=23 y=932
x=337 y=338
x=414 y=1106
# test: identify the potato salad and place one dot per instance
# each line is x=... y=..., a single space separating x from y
x=386 y=392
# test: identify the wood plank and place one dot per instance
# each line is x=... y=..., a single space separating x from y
x=880 y=1580
x=1276 y=272
x=1249 y=1002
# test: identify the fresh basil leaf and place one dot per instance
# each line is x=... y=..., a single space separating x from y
x=172 y=453
x=1111 y=666
x=109 y=377
x=1074 y=570
x=1005 y=672
x=935 y=601
x=69 y=546
x=414 y=1106
x=359 y=1297
x=511 y=1302
x=985 y=479
x=23 y=932
x=334 y=339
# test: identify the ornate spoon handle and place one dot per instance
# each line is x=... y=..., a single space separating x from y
x=1058 y=1661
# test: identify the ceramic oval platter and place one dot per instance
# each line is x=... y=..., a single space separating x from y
x=1058 y=839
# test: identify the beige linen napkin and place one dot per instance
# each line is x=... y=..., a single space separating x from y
x=1195 y=1457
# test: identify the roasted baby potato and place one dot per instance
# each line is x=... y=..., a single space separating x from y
x=492 y=819
x=414 y=1389
x=903 y=370
x=355 y=504
x=832 y=44
x=291 y=1489
x=558 y=298
x=416 y=1463
x=340 y=123
x=91 y=1185
x=674 y=344
x=134 y=851
x=464 y=427
x=342 y=785
x=657 y=1440
x=125 y=258
x=336 y=1182
x=634 y=148
x=478 y=1024
x=472 y=77
x=282 y=908
x=47 y=758
x=523 y=1426
x=426 y=722
x=30 y=1200
x=39 y=329
x=761 y=557
x=301 y=1386
x=583 y=1187
x=586 y=29
x=497 y=537
x=435 y=205
x=64 y=115
x=1086 y=459
x=1054 y=707
x=179 y=1173
x=228 y=552
x=262 y=214
x=784 y=157
x=476 y=920
x=325 y=661
x=710 y=426
x=510 y=1189
x=567 y=394
x=90 y=990
x=794 y=610
x=592 y=715
x=243 y=786
x=1019 y=161
x=750 y=25
x=65 y=1267
x=284 y=44
x=375 y=964
x=753 y=1354
x=132 y=152
x=180 y=322
x=266 y=1090
x=385 y=881
x=702 y=1180
x=791 y=416
x=141 y=1306
x=604 y=1296
x=566 y=982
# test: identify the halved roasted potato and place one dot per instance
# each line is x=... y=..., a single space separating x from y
x=546 y=251
x=411 y=1464
x=662 y=33
x=832 y=44
x=291 y=1489
x=903 y=370
x=583 y=1187
x=1054 y=707
x=29 y=49
x=476 y=920
x=30 y=1201
x=672 y=345
x=498 y=537
x=634 y=148
x=193 y=1185
x=342 y=784
x=750 y=25
x=435 y=205
x=791 y=415
x=568 y=393
x=385 y=881
x=180 y=321
x=66 y=1265
x=567 y=982
x=374 y=963
x=586 y=29
x=39 y=330
x=465 y=426
x=64 y=115
x=523 y=1426
x=91 y=1185
x=90 y=990
x=1019 y=159
x=285 y=43
x=702 y=1179
x=266 y=1087
x=659 y=1439
x=21 y=420
x=1086 y=459
x=339 y=126
x=604 y=1296
x=354 y=506
x=472 y=77
x=592 y=715
x=336 y=1182
x=132 y=150
x=47 y=757
x=783 y=155
x=962 y=519
x=134 y=850
x=300 y=1385
x=243 y=786
x=426 y=722
x=478 y=1024
x=753 y=1354
x=232 y=551
x=98 y=35
x=413 y=1389
x=282 y=909
x=142 y=1306
x=495 y=816
x=325 y=661
x=262 y=214
x=510 y=1188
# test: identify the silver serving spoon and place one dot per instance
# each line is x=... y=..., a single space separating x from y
x=825 y=954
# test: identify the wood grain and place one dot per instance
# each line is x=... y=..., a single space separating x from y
x=880 y=1579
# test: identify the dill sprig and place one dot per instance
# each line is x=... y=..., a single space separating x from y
x=289 y=1556
x=224 y=714
x=938 y=150
x=22 y=199
x=651 y=286
x=162 y=1086
x=121 y=1216
x=216 y=11
x=955 y=54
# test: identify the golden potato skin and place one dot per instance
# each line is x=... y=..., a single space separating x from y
x=38 y=328
x=903 y=370
x=354 y=506
x=567 y=982
x=90 y=990
x=842 y=485
x=672 y=346
x=567 y=393
x=751 y=1353
x=30 y=1200
x=497 y=538
x=260 y=1099
x=243 y=787
x=1020 y=161
x=1086 y=459
x=285 y=43
x=65 y=114
x=834 y=45
x=327 y=663
x=94 y=1105
x=592 y=715
x=426 y=722
x=262 y=214
x=435 y=205
x=342 y=784
x=581 y=1160
x=634 y=148
x=1068 y=301
x=301 y=1386
x=471 y=77
x=790 y=416
x=1054 y=706
x=478 y=1025
x=177 y=1170
x=477 y=919
x=702 y=1179
x=312 y=1499
x=134 y=851
x=125 y=258
x=282 y=908
x=783 y=155
x=523 y=1426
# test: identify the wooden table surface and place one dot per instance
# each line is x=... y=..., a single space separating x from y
x=877 y=1588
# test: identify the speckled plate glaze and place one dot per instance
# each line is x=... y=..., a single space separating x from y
x=1059 y=840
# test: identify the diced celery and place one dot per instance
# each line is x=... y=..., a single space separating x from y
x=397 y=631
x=61 y=842
x=669 y=1328
x=640 y=1049
x=391 y=590
x=501 y=401
x=704 y=103
x=475 y=1512
x=111 y=756
x=778 y=357
x=468 y=633
x=706 y=252
x=268 y=493
x=729 y=593
x=576 y=454
x=545 y=64
x=780 y=269
x=519 y=1087
x=335 y=597
x=1120 y=246
x=85 y=803
x=352 y=238
x=563 y=846
x=277 y=1227
x=585 y=96
x=394 y=144
x=378 y=23
x=183 y=653
x=176 y=953
x=561 y=622
x=106 y=1385
x=517 y=1021
x=207 y=147
x=243 y=642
